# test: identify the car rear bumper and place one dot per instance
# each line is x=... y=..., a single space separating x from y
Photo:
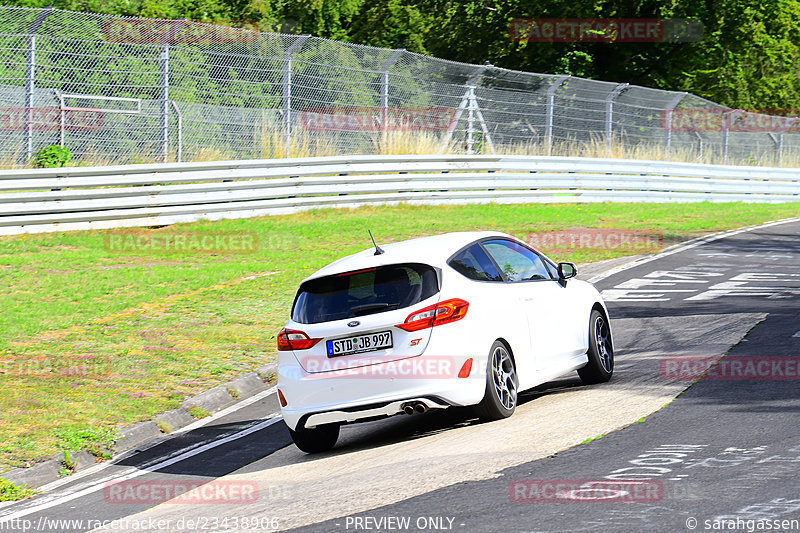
x=352 y=396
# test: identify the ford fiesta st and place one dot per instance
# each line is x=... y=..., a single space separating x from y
x=460 y=319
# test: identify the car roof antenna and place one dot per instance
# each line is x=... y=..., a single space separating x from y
x=378 y=249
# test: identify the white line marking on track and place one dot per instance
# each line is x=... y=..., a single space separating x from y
x=194 y=425
x=796 y=334
x=134 y=472
x=688 y=245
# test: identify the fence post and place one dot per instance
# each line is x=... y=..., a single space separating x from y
x=726 y=132
x=385 y=90
x=471 y=121
x=610 y=114
x=30 y=73
x=700 y=141
x=778 y=141
x=62 y=122
x=180 y=129
x=30 y=78
x=668 y=120
x=165 y=102
x=287 y=83
x=551 y=97
x=471 y=83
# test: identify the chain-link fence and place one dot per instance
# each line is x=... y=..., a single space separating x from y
x=122 y=89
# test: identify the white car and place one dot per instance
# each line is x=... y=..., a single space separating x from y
x=460 y=319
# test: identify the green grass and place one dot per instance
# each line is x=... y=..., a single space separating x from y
x=92 y=340
x=10 y=492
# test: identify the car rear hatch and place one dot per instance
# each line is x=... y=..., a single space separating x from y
x=358 y=318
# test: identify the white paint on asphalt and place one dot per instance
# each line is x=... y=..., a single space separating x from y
x=688 y=245
x=194 y=425
x=52 y=500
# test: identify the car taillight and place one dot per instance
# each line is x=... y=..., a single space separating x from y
x=436 y=315
x=293 y=339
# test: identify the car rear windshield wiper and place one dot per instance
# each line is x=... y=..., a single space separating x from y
x=369 y=308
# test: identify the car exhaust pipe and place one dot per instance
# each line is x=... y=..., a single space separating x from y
x=420 y=407
x=408 y=409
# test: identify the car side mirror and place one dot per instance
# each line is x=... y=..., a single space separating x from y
x=566 y=271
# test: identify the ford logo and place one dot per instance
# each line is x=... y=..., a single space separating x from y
x=353 y=324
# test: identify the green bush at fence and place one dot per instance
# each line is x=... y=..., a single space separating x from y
x=51 y=156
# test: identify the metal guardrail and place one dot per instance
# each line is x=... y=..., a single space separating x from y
x=80 y=198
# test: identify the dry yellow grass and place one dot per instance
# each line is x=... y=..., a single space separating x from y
x=270 y=141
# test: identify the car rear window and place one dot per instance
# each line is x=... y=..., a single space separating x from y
x=364 y=292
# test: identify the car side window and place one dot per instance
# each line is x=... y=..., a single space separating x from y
x=517 y=262
x=551 y=268
x=475 y=264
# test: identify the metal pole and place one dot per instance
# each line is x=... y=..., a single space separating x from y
x=471 y=122
x=726 y=131
x=487 y=137
x=471 y=83
x=287 y=83
x=700 y=141
x=668 y=120
x=551 y=96
x=180 y=129
x=484 y=129
x=30 y=73
x=30 y=78
x=385 y=89
x=456 y=117
x=61 y=117
x=165 y=102
x=778 y=141
x=610 y=113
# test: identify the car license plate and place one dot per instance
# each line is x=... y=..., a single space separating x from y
x=360 y=344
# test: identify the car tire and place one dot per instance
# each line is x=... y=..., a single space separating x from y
x=600 y=367
x=502 y=384
x=316 y=440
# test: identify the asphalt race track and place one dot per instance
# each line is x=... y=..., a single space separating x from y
x=723 y=456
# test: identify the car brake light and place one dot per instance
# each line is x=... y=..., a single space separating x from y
x=282 y=398
x=436 y=315
x=293 y=339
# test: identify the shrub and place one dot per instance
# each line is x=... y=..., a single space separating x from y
x=52 y=156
